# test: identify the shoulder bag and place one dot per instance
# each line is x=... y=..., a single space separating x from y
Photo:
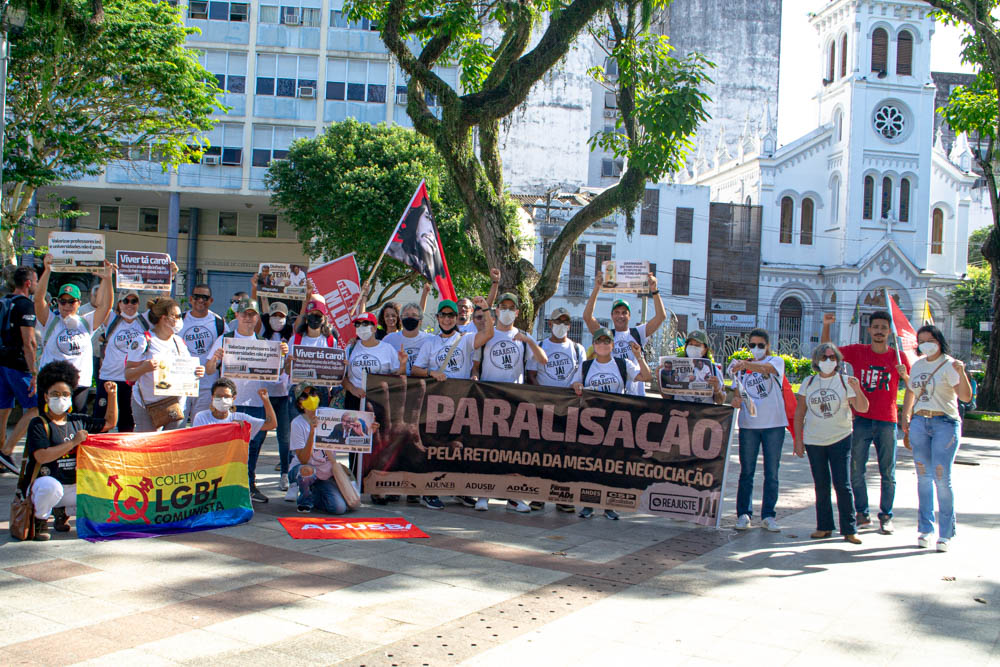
x=165 y=411
x=22 y=508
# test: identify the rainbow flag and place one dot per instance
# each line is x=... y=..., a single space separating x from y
x=146 y=484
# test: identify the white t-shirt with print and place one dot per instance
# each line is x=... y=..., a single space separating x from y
x=296 y=279
x=935 y=391
x=205 y=418
x=298 y=435
x=279 y=388
x=765 y=391
x=246 y=390
x=199 y=333
x=623 y=350
x=565 y=359
x=503 y=358
x=73 y=345
x=435 y=350
x=828 y=414
x=607 y=377
x=411 y=345
x=158 y=349
x=380 y=358
x=125 y=337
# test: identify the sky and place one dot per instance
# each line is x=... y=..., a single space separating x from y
x=796 y=106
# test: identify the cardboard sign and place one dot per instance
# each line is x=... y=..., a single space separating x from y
x=681 y=376
x=625 y=277
x=320 y=528
x=319 y=366
x=177 y=378
x=75 y=252
x=148 y=271
x=251 y=359
x=344 y=430
x=281 y=281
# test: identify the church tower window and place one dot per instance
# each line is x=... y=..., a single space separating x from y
x=787 y=210
x=806 y=228
x=904 y=53
x=866 y=212
x=937 y=232
x=904 y=200
x=886 y=197
x=843 y=56
x=880 y=50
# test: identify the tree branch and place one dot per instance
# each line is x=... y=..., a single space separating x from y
x=415 y=67
x=489 y=154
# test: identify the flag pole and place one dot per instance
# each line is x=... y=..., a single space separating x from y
x=364 y=288
x=892 y=320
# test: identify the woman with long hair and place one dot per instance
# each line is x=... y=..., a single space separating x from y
x=388 y=319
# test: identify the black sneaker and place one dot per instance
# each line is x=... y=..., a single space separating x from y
x=304 y=509
x=413 y=500
x=468 y=501
x=586 y=513
x=536 y=505
x=565 y=508
x=257 y=496
x=379 y=500
x=431 y=502
x=611 y=514
x=7 y=463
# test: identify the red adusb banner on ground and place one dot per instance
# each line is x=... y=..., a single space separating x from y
x=318 y=528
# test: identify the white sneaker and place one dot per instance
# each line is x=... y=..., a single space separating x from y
x=518 y=506
x=743 y=522
x=942 y=544
x=923 y=540
x=771 y=525
x=292 y=494
x=283 y=482
x=483 y=504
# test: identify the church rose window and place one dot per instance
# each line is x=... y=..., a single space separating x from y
x=889 y=121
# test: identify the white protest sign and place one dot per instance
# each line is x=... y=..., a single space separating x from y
x=147 y=271
x=175 y=377
x=75 y=252
x=625 y=277
x=251 y=359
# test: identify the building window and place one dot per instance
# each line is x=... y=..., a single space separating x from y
x=357 y=80
x=880 y=50
x=603 y=254
x=285 y=76
x=835 y=200
x=611 y=168
x=149 y=220
x=886 y=197
x=219 y=11
x=790 y=319
x=108 y=218
x=271 y=142
x=806 y=227
x=304 y=16
x=576 y=331
x=267 y=226
x=229 y=68
x=683 y=225
x=577 y=267
x=843 y=56
x=649 y=221
x=904 y=200
x=225 y=142
x=831 y=63
x=787 y=211
x=681 y=283
x=184 y=221
x=937 y=232
x=866 y=211
x=198 y=10
x=338 y=19
x=610 y=101
x=904 y=53
x=227 y=223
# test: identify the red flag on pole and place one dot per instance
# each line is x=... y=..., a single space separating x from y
x=906 y=337
x=338 y=283
x=416 y=243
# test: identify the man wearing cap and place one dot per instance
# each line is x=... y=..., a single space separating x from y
x=247 y=391
x=201 y=329
x=17 y=365
x=624 y=335
x=125 y=332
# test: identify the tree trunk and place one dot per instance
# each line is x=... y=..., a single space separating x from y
x=988 y=397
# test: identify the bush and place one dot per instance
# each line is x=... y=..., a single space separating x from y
x=796 y=368
x=978 y=376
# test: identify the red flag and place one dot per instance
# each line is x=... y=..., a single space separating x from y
x=416 y=243
x=338 y=283
x=906 y=337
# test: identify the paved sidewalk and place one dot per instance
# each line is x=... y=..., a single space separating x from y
x=499 y=588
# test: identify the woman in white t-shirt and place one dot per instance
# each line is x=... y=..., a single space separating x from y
x=125 y=330
x=161 y=346
x=223 y=411
x=312 y=329
x=936 y=383
x=696 y=347
x=312 y=469
x=823 y=428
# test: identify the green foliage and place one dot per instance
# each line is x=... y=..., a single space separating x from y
x=974 y=296
x=796 y=368
x=976 y=241
x=973 y=108
x=346 y=189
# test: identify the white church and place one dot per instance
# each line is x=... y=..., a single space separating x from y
x=869 y=199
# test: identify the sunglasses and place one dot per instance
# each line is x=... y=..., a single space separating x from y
x=362 y=323
x=67 y=302
x=759 y=346
x=201 y=297
x=447 y=315
x=602 y=341
x=829 y=357
x=131 y=301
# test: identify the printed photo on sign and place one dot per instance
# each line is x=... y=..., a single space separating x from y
x=175 y=377
x=75 y=252
x=344 y=430
x=148 y=271
x=625 y=277
x=251 y=359
x=320 y=366
x=681 y=376
x=285 y=281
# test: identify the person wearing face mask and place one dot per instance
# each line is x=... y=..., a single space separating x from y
x=201 y=328
x=50 y=447
x=368 y=355
x=931 y=421
x=411 y=338
x=823 y=425
x=880 y=370
x=155 y=349
x=234 y=301
x=761 y=379
x=313 y=330
x=125 y=332
x=312 y=469
x=277 y=327
x=66 y=335
x=696 y=347
x=223 y=411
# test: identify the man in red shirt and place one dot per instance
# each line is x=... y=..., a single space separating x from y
x=879 y=373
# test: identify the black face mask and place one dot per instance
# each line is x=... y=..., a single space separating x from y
x=315 y=321
x=410 y=323
x=448 y=332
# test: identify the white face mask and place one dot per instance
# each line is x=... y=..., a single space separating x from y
x=827 y=366
x=178 y=325
x=560 y=330
x=758 y=353
x=694 y=351
x=506 y=317
x=928 y=349
x=71 y=322
x=277 y=323
x=60 y=404
x=365 y=332
x=222 y=404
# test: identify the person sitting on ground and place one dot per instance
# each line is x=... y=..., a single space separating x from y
x=312 y=469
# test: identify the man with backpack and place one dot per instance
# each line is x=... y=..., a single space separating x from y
x=624 y=335
x=17 y=361
x=201 y=329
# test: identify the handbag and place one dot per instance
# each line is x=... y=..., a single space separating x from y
x=22 y=509
x=343 y=481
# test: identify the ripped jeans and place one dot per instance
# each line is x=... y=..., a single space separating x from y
x=935 y=442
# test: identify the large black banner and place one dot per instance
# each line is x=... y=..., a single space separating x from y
x=500 y=440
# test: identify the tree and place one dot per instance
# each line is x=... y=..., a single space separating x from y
x=89 y=83
x=973 y=297
x=658 y=96
x=976 y=241
x=346 y=189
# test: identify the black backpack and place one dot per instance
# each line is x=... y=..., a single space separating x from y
x=6 y=308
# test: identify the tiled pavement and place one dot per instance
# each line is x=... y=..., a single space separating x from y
x=499 y=588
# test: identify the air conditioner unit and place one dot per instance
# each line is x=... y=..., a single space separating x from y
x=401 y=99
x=307 y=91
x=293 y=19
x=611 y=113
x=211 y=160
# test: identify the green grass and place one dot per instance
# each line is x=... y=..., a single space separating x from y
x=978 y=416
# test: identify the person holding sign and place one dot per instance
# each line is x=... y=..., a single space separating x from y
x=276 y=327
x=157 y=349
x=313 y=468
x=125 y=332
x=222 y=410
x=624 y=335
x=696 y=347
x=312 y=329
x=66 y=335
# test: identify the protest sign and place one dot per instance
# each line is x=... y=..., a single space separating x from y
x=75 y=252
x=625 y=277
x=319 y=366
x=344 y=430
x=501 y=440
x=682 y=376
x=319 y=528
x=138 y=270
x=145 y=484
x=281 y=281
x=339 y=283
x=251 y=359
x=175 y=377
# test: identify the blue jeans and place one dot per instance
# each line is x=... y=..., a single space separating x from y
x=751 y=441
x=280 y=405
x=255 y=443
x=318 y=494
x=883 y=434
x=833 y=462
x=935 y=442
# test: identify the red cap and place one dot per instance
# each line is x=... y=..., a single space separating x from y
x=366 y=317
x=316 y=304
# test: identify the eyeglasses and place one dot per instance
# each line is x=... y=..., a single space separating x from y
x=131 y=301
x=67 y=302
x=759 y=346
x=603 y=341
x=447 y=315
x=201 y=297
x=829 y=357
